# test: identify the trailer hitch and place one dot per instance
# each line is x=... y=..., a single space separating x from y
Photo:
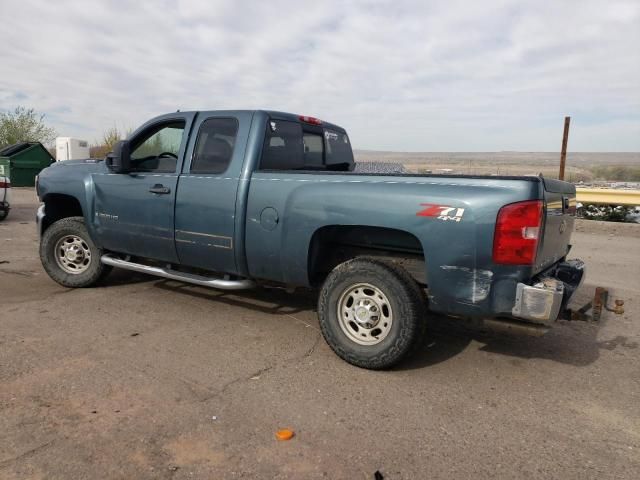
x=599 y=302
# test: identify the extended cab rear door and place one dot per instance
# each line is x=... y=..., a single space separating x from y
x=206 y=197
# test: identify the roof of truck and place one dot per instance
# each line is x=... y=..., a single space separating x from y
x=293 y=117
x=296 y=118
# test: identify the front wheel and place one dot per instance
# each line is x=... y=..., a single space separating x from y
x=69 y=256
x=372 y=313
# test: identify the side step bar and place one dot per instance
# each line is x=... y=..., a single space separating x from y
x=220 y=283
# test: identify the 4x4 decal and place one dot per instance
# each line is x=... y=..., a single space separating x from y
x=441 y=212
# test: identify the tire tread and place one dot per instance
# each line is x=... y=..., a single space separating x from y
x=413 y=325
x=97 y=269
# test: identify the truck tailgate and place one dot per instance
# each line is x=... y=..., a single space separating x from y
x=560 y=212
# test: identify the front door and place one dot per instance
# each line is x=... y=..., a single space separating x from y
x=134 y=212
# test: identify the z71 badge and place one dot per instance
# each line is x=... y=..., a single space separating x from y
x=441 y=212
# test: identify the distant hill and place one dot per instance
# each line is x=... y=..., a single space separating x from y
x=581 y=166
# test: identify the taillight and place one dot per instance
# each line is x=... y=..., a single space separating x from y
x=4 y=184
x=311 y=120
x=517 y=233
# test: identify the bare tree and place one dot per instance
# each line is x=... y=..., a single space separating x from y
x=110 y=137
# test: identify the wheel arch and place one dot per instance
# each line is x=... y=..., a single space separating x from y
x=58 y=206
x=331 y=245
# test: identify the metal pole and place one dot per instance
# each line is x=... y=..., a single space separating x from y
x=563 y=153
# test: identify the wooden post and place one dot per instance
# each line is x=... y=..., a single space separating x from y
x=563 y=153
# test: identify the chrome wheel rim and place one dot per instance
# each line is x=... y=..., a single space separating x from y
x=364 y=314
x=73 y=254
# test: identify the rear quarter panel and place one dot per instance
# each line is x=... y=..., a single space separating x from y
x=460 y=275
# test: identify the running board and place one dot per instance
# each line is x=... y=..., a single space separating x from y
x=222 y=284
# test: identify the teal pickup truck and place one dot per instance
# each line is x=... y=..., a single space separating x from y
x=238 y=199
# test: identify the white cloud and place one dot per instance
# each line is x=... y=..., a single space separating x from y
x=434 y=76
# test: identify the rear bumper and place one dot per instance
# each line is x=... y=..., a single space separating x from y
x=543 y=301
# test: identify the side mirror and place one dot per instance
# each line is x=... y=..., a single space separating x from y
x=119 y=160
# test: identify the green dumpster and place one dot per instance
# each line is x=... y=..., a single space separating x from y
x=23 y=161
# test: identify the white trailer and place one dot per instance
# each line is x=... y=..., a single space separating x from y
x=68 y=148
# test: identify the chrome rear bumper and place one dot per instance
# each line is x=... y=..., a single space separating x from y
x=543 y=301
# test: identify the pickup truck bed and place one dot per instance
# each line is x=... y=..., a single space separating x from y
x=237 y=198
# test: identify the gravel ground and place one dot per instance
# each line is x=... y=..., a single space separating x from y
x=145 y=378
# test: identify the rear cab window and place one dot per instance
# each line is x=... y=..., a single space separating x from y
x=337 y=148
x=282 y=149
x=292 y=145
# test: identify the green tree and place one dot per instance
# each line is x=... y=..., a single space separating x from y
x=24 y=125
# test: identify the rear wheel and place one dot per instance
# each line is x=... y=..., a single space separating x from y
x=69 y=256
x=372 y=313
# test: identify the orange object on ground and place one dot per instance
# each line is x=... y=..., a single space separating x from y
x=284 y=434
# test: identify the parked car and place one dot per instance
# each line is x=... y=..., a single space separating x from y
x=5 y=197
x=235 y=199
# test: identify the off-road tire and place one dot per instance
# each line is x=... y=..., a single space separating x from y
x=71 y=226
x=408 y=303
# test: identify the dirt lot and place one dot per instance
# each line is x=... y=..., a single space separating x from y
x=146 y=378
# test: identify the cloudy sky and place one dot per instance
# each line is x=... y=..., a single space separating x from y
x=399 y=75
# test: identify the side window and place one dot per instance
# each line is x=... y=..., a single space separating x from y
x=313 y=147
x=214 y=147
x=283 y=148
x=157 y=150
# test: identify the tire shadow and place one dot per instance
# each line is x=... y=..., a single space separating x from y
x=272 y=301
x=570 y=343
x=118 y=277
x=566 y=343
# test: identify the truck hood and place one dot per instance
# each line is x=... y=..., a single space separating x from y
x=67 y=176
x=88 y=165
x=71 y=163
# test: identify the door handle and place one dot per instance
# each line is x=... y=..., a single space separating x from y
x=160 y=189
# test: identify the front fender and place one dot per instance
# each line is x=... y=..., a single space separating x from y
x=70 y=179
